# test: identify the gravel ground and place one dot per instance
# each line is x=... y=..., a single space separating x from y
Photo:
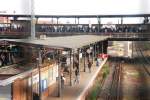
x=135 y=83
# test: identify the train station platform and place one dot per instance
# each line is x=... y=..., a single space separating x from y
x=79 y=91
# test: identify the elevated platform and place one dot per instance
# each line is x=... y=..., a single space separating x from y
x=79 y=91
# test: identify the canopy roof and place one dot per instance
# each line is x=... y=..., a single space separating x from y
x=71 y=42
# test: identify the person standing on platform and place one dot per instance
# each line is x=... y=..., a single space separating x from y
x=98 y=62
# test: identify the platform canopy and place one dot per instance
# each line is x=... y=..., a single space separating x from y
x=71 y=42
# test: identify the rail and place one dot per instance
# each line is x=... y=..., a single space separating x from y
x=130 y=35
x=116 y=82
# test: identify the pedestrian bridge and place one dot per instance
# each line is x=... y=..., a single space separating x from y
x=17 y=26
x=20 y=26
x=112 y=36
x=128 y=36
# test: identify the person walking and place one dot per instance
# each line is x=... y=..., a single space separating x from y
x=62 y=80
x=76 y=76
x=89 y=65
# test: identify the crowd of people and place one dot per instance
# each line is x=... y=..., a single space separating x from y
x=77 y=28
x=76 y=68
x=11 y=28
x=8 y=55
x=87 y=28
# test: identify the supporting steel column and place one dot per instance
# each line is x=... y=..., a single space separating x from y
x=32 y=20
x=39 y=69
x=121 y=20
x=52 y=24
x=102 y=47
x=73 y=59
x=70 y=68
x=75 y=21
x=36 y=22
x=57 y=24
x=92 y=52
x=84 y=51
x=95 y=52
x=7 y=24
x=12 y=88
x=99 y=22
x=78 y=25
x=132 y=49
x=78 y=21
x=59 y=75
x=98 y=47
x=78 y=52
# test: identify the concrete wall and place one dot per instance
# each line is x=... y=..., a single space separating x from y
x=5 y=92
x=23 y=90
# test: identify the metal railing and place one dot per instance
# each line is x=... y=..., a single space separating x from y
x=111 y=35
x=130 y=35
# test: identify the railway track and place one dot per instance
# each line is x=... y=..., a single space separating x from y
x=114 y=92
x=144 y=61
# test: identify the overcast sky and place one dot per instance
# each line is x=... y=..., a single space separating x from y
x=68 y=7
